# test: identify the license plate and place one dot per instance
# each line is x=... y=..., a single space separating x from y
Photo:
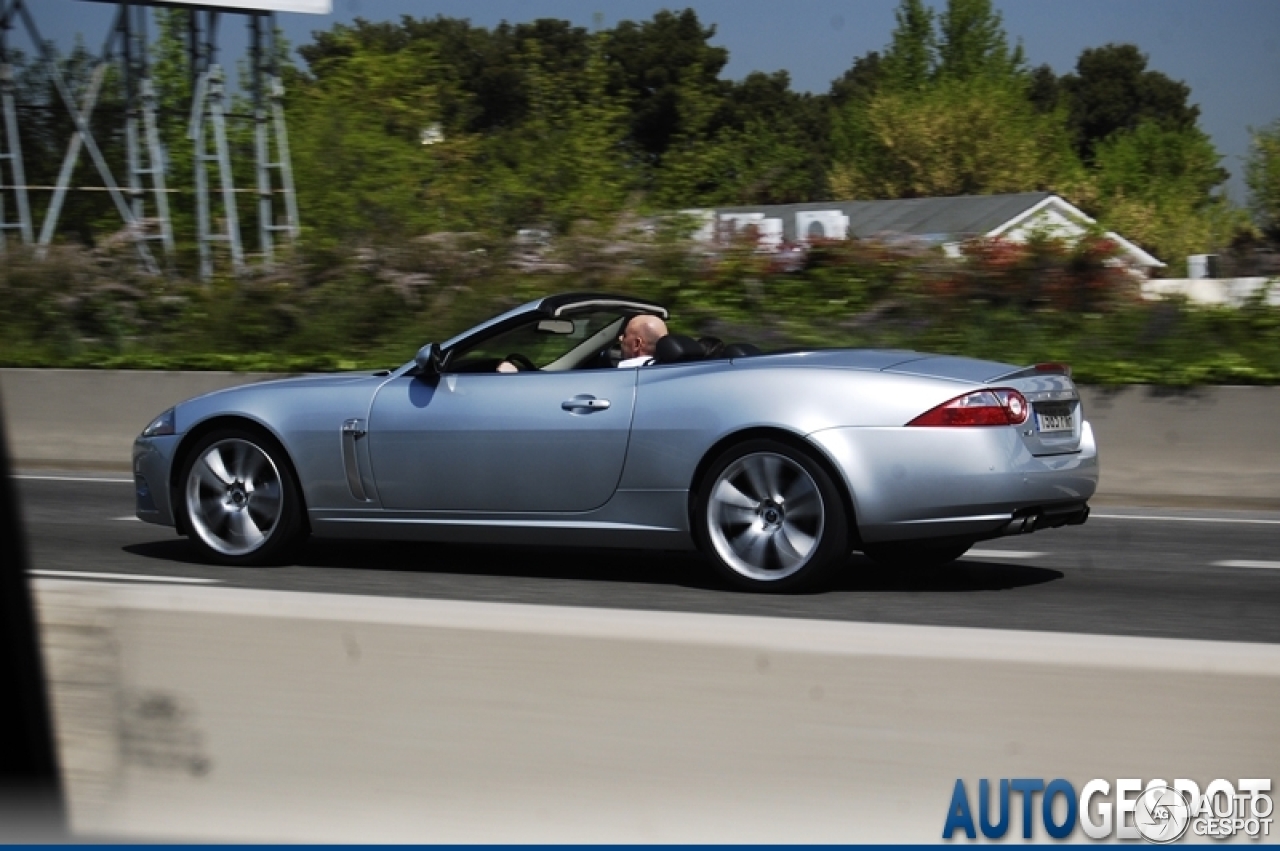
x=1057 y=418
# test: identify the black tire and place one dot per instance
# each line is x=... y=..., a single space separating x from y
x=914 y=554
x=769 y=518
x=240 y=504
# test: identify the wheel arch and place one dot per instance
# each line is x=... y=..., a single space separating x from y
x=226 y=421
x=790 y=438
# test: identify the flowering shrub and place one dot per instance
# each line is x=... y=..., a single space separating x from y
x=1045 y=273
x=1043 y=300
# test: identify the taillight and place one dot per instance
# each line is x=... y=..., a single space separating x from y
x=996 y=407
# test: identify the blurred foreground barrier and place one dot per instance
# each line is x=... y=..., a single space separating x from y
x=222 y=714
x=1192 y=446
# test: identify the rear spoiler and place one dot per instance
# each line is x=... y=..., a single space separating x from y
x=1035 y=372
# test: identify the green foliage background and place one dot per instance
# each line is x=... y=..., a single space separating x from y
x=421 y=147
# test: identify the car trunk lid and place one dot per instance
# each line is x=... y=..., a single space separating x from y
x=1055 y=422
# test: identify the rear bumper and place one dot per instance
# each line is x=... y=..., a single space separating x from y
x=917 y=484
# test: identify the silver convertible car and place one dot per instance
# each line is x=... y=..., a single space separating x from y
x=775 y=466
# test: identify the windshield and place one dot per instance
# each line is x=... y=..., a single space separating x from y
x=549 y=344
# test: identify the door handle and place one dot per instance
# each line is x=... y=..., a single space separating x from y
x=584 y=403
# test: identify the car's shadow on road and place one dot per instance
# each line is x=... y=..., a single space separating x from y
x=674 y=569
x=863 y=575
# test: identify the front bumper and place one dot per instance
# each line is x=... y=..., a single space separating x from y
x=152 y=463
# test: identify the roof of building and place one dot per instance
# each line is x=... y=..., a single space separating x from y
x=942 y=220
x=953 y=218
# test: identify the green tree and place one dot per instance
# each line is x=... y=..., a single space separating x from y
x=1112 y=90
x=972 y=43
x=484 y=84
x=566 y=161
x=782 y=135
x=859 y=82
x=1262 y=175
x=958 y=137
x=669 y=73
x=950 y=114
x=911 y=58
x=1156 y=185
x=1044 y=89
x=356 y=134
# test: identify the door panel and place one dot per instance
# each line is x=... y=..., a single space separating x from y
x=527 y=441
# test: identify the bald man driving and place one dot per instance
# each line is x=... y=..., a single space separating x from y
x=639 y=337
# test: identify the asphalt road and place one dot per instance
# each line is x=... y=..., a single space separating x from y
x=1195 y=574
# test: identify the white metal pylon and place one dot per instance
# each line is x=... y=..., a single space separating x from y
x=11 y=154
x=207 y=114
x=268 y=88
x=145 y=155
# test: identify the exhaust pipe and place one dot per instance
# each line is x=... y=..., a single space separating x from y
x=1037 y=519
x=1021 y=525
x=1079 y=518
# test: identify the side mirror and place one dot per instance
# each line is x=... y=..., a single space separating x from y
x=428 y=359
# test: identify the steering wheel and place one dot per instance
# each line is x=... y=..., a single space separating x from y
x=522 y=363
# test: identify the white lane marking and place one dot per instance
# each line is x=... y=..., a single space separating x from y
x=1265 y=565
x=130 y=517
x=753 y=632
x=1001 y=554
x=131 y=577
x=1174 y=519
x=71 y=479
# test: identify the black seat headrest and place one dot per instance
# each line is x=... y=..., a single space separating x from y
x=741 y=350
x=677 y=348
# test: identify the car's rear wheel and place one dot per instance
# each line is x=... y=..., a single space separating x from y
x=914 y=554
x=240 y=501
x=770 y=518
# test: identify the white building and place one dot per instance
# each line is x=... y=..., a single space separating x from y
x=945 y=221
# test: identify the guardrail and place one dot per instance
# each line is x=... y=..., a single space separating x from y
x=1165 y=446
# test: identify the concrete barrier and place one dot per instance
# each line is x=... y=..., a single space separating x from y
x=232 y=715
x=85 y=419
x=1215 y=446
x=1198 y=446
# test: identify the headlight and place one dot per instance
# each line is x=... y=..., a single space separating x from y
x=162 y=424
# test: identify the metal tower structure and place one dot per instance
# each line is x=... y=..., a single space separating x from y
x=142 y=137
x=208 y=115
x=144 y=206
x=271 y=136
x=11 y=158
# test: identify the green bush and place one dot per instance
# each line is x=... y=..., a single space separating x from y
x=373 y=307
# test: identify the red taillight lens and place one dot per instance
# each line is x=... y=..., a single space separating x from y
x=981 y=408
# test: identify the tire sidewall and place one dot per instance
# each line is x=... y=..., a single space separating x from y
x=288 y=528
x=833 y=545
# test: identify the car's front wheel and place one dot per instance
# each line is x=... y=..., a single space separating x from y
x=770 y=518
x=239 y=498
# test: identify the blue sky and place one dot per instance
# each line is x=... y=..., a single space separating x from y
x=1227 y=51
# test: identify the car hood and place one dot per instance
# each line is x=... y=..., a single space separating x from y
x=900 y=361
x=315 y=381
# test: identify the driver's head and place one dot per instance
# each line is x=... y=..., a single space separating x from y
x=640 y=335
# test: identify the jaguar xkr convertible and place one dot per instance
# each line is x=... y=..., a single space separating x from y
x=775 y=466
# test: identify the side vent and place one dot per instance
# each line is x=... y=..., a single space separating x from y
x=353 y=430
